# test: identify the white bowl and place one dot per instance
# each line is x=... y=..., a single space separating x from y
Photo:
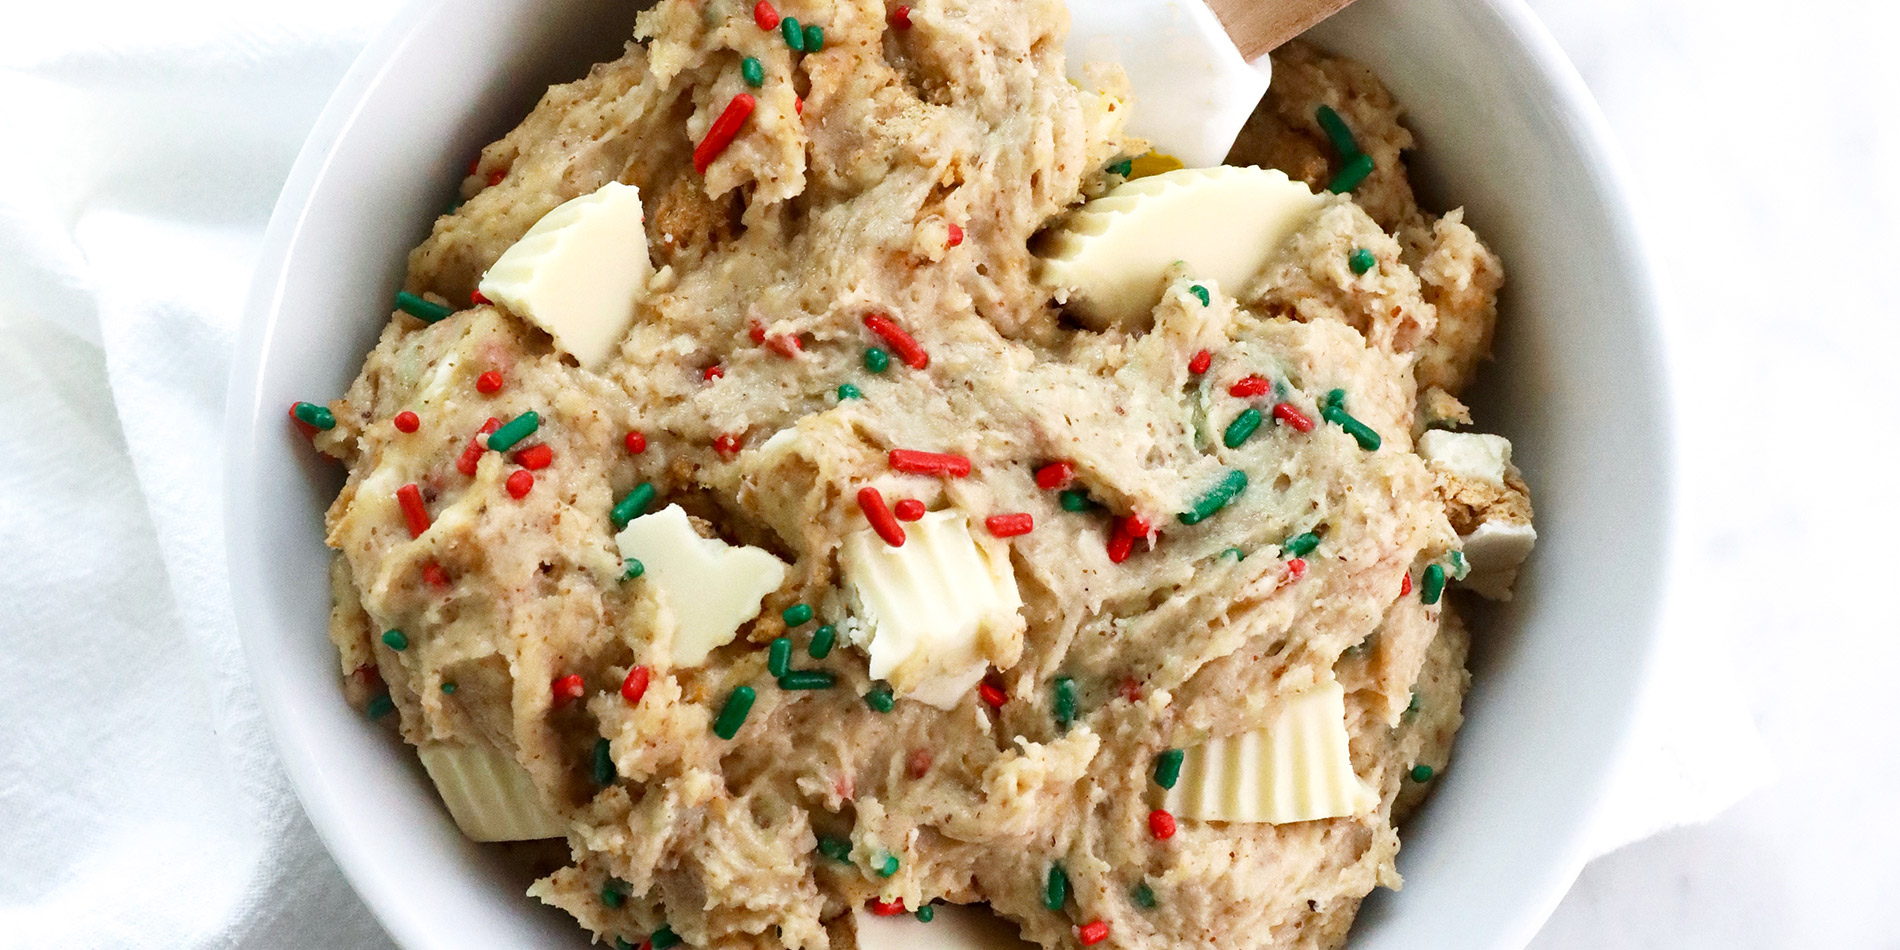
x=1505 y=128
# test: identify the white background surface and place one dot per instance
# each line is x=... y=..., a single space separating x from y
x=1762 y=143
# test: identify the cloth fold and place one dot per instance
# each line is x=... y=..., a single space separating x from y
x=144 y=804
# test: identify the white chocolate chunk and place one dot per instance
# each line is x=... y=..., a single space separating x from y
x=1112 y=254
x=938 y=611
x=489 y=795
x=712 y=587
x=1494 y=550
x=1473 y=455
x=952 y=927
x=1297 y=768
x=578 y=272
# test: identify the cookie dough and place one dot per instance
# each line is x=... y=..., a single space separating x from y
x=854 y=274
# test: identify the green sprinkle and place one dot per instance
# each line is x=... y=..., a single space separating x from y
x=663 y=938
x=380 y=706
x=1055 y=891
x=1144 y=896
x=1350 y=176
x=1300 y=545
x=395 y=640
x=876 y=360
x=1433 y=586
x=1065 y=701
x=613 y=893
x=634 y=569
x=927 y=913
x=620 y=943
x=1361 y=260
x=1226 y=490
x=313 y=415
x=1242 y=428
x=633 y=505
x=794 y=35
x=1335 y=129
x=604 y=771
x=1421 y=773
x=797 y=615
x=424 y=310
x=821 y=641
x=849 y=391
x=752 y=71
x=1411 y=708
x=1235 y=553
x=448 y=689
x=837 y=849
x=880 y=697
x=1360 y=432
x=1074 y=500
x=814 y=38
x=779 y=660
x=518 y=428
x=1168 y=767
x=1200 y=293
x=733 y=714
x=807 y=679
x=1335 y=399
x=1122 y=168
x=887 y=866
x=1460 y=567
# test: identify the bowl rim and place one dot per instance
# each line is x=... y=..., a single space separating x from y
x=1580 y=116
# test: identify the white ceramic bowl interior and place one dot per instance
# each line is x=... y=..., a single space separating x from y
x=1505 y=129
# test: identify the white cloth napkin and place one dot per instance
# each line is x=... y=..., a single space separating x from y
x=141 y=801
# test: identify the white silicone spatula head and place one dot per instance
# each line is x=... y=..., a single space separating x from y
x=1197 y=68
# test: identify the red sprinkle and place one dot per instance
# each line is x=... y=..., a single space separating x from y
x=1055 y=475
x=635 y=685
x=407 y=421
x=908 y=509
x=435 y=575
x=413 y=511
x=1405 y=586
x=992 y=694
x=1137 y=527
x=1293 y=417
x=757 y=333
x=1131 y=689
x=1200 y=362
x=472 y=456
x=1296 y=567
x=520 y=483
x=871 y=502
x=884 y=908
x=713 y=372
x=900 y=18
x=1120 y=545
x=907 y=348
x=1250 y=386
x=368 y=675
x=568 y=688
x=1010 y=525
x=1161 y=824
x=723 y=130
x=918 y=765
x=497 y=176
x=474 y=165
x=784 y=345
x=535 y=457
x=765 y=15
x=914 y=462
x=727 y=444
x=798 y=103
x=956 y=235
x=636 y=443
x=477 y=297
x=488 y=383
x=1092 y=933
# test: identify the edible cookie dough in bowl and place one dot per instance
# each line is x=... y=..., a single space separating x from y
x=823 y=482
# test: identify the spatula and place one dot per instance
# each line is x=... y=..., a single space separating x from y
x=1197 y=67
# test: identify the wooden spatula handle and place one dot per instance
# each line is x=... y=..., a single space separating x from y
x=1258 y=26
